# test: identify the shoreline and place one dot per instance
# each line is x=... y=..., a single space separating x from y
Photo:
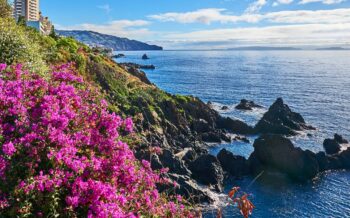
x=217 y=144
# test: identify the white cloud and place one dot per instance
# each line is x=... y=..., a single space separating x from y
x=327 y=2
x=302 y=34
x=282 y=2
x=205 y=16
x=135 y=29
x=255 y=7
x=211 y=15
x=301 y=27
x=307 y=16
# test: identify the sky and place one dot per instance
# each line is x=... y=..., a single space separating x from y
x=177 y=24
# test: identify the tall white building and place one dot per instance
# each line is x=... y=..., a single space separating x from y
x=29 y=9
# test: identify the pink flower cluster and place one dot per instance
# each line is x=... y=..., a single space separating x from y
x=58 y=139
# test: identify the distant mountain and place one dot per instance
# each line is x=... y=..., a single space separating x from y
x=108 y=41
x=264 y=48
x=333 y=48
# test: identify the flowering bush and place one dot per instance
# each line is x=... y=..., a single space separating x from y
x=61 y=153
x=17 y=45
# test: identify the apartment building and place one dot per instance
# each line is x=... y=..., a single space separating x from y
x=29 y=9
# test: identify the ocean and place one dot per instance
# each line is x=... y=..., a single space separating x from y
x=313 y=83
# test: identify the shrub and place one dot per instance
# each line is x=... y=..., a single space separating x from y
x=61 y=153
x=17 y=46
x=5 y=9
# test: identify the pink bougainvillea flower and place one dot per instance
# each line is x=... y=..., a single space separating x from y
x=61 y=151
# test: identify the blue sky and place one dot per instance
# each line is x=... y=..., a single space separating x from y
x=218 y=23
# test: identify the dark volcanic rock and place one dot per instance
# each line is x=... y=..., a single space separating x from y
x=234 y=164
x=201 y=126
x=211 y=137
x=138 y=66
x=340 y=139
x=145 y=57
x=215 y=137
x=241 y=138
x=280 y=119
x=134 y=69
x=234 y=126
x=345 y=158
x=224 y=108
x=322 y=161
x=331 y=146
x=175 y=165
x=187 y=188
x=207 y=170
x=277 y=152
x=118 y=56
x=189 y=156
x=247 y=105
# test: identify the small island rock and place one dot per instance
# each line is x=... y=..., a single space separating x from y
x=247 y=105
x=278 y=153
x=145 y=57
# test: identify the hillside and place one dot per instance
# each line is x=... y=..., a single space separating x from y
x=108 y=41
x=165 y=124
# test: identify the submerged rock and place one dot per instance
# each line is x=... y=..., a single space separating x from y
x=247 y=105
x=280 y=119
x=145 y=57
x=278 y=153
x=234 y=164
x=207 y=170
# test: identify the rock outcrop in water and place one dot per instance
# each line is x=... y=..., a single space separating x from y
x=280 y=119
x=138 y=66
x=247 y=105
x=145 y=57
x=333 y=146
x=275 y=152
x=118 y=56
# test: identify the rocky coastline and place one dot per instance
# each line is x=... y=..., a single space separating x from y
x=184 y=128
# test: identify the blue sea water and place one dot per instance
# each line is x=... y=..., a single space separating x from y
x=313 y=83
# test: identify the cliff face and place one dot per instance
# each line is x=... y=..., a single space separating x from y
x=108 y=41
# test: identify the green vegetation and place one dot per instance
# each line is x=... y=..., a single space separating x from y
x=127 y=94
x=17 y=47
x=5 y=9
